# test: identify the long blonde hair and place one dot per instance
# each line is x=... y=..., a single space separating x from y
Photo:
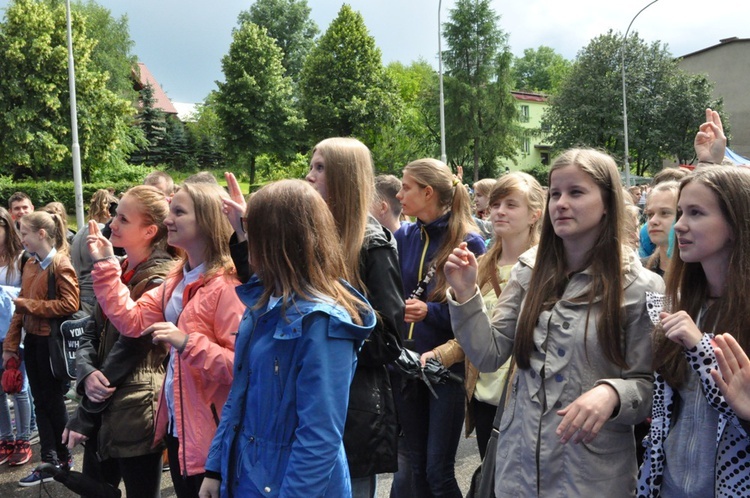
x=300 y=253
x=350 y=183
x=53 y=226
x=451 y=197
x=516 y=182
x=212 y=225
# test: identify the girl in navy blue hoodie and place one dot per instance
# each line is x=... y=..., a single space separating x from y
x=432 y=426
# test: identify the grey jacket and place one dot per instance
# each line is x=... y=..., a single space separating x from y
x=530 y=459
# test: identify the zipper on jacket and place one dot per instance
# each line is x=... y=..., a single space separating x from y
x=421 y=269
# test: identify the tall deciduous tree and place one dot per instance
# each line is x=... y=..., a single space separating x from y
x=254 y=104
x=664 y=104
x=35 y=102
x=480 y=111
x=540 y=70
x=288 y=22
x=344 y=88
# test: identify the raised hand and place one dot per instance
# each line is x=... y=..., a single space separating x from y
x=734 y=376
x=461 y=273
x=710 y=142
x=234 y=207
x=99 y=246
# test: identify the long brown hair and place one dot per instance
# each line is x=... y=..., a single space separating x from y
x=451 y=197
x=528 y=186
x=350 y=183
x=550 y=274
x=153 y=208
x=687 y=287
x=301 y=253
x=12 y=247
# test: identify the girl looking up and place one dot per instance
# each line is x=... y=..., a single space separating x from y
x=194 y=313
x=708 y=292
x=661 y=208
x=120 y=377
x=573 y=315
x=282 y=427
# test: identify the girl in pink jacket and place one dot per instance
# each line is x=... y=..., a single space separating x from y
x=195 y=313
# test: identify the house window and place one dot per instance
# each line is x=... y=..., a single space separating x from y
x=524 y=114
x=526 y=146
x=545 y=158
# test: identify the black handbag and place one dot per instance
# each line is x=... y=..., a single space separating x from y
x=64 y=337
x=483 y=479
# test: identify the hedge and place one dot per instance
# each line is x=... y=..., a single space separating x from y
x=42 y=193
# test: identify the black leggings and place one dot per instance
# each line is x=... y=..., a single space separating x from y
x=184 y=486
x=141 y=474
x=49 y=399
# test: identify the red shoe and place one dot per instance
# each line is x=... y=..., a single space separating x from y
x=21 y=454
x=6 y=450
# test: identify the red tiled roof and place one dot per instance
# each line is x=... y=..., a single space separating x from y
x=533 y=97
x=162 y=101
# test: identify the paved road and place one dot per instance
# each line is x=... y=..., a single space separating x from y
x=467 y=460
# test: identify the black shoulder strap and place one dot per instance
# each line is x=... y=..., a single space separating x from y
x=51 y=283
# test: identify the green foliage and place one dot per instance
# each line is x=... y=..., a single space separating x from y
x=152 y=122
x=665 y=105
x=42 y=193
x=540 y=70
x=35 y=103
x=540 y=172
x=255 y=104
x=344 y=89
x=112 y=51
x=480 y=111
x=130 y=173
x=288 y=23
x=204 y=134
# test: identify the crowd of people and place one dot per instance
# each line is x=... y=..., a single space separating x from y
x=600 y=336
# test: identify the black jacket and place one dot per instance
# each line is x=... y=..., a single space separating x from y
x=371 y=431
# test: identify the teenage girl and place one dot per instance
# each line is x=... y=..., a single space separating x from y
x=118 y=425
x=43 y=235
x=432 y=426
x=661 y=209
x=281 y=430
x=194 y=313
x=14 y=449
x=692 y=426
x=515 y=206
x=573 y=315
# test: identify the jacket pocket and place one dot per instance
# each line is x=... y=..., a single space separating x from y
x=129 y=419
x=264 y=463
x=609 y=455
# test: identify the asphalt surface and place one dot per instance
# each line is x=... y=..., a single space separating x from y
x=467 y=460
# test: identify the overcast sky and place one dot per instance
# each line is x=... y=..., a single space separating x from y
x=182 y=41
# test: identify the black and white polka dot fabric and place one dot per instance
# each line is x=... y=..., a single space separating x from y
x=733 y=443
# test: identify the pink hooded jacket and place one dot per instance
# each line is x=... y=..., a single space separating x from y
x=203 y=371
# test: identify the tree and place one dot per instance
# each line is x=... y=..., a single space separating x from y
x=112 y=51
x=255 y=103
x=344 y=89
x=540 y=70
x=664 y=104
x=416 y=132
x=288 y=22
x=152 y=122
x=480 y=111
x=205 y=134
x=35 y=103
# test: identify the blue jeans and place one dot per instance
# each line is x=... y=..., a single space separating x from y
x=22 y=411
x=432 y=430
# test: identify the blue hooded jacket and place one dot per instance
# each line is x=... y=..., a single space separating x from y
x=281 y=429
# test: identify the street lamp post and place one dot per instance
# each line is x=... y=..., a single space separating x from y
x=75 y=149
x=624 y=96
x=443 y=156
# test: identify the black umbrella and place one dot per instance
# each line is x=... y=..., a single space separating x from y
x=432 y=373
x=79 y=483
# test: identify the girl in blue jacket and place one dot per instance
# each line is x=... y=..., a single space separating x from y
x=281 y=429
